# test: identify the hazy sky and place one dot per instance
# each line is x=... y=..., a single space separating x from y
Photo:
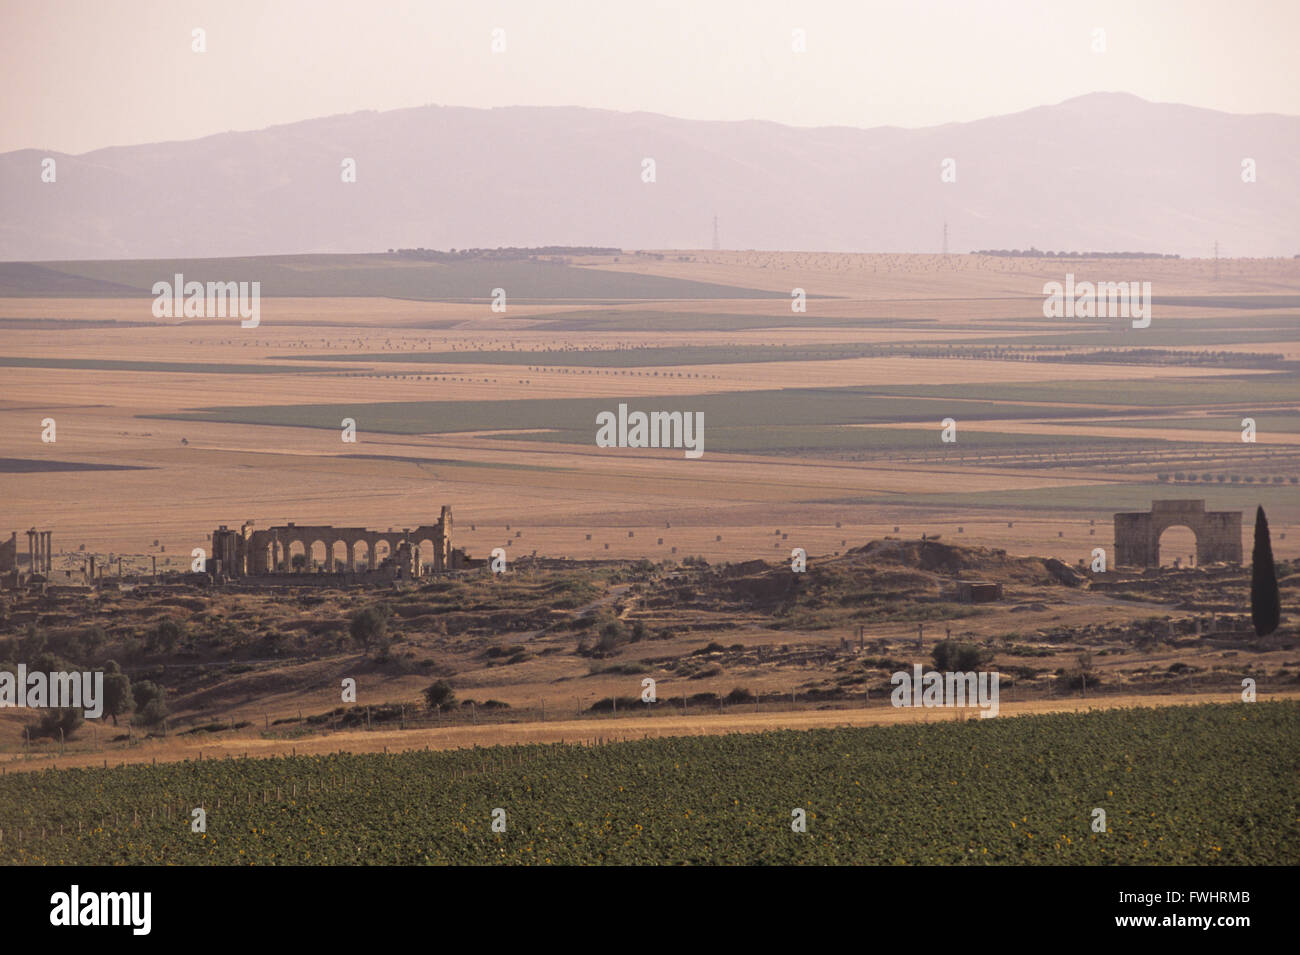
x=82 y=74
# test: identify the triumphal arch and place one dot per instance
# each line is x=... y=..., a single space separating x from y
x=1137 y=533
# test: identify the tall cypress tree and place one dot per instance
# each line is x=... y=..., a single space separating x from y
x=1265 y=604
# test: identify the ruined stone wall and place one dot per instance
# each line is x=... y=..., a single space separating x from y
x=271 y=550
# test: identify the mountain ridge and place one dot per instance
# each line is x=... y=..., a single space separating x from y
x=1106 y=171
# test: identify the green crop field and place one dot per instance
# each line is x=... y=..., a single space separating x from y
x=376 y=275
x=1138 y=392
x=815 y=441
x=178 y=367
x=788 y=407
x=1264 y=423
x=1209 y=784
x=614 y=357
x=629 y=320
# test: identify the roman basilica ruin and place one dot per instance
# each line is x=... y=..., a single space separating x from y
x=294 y=548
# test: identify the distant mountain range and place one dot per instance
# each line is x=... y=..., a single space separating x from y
x=1105 y=172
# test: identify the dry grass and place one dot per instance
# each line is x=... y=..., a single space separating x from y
x=589 y=730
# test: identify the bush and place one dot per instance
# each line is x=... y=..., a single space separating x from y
x=164 y=637
x=951 y=656
x=153 y=712
x=117 y=691
x=369 y=626
x=67 y=719
x=739 y=695
x=439 y=694
x=145 y=692
x=611 y=635
x=609 y=703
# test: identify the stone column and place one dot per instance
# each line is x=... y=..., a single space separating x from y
x=31 y=551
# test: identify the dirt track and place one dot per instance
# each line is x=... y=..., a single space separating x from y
x=592 y=730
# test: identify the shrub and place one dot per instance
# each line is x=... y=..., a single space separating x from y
x=117 y=691
x=611 y=635
x=953 y=656
x=67 y=719
x=145 y=692
x=369 y=625
x=153 y=712
x=164 y=637
x=439 y=694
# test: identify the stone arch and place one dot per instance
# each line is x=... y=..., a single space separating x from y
x=319 y=553
x=428 y=550
x=294 y=549
x=1217 y=533
x=338 y=557
x=1177 y=546
x=362 y=549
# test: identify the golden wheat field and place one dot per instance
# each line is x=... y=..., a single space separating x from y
x=194 y=475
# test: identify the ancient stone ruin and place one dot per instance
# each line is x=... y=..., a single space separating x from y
x=40 y=557
x=1137 y=533
x=288 y=548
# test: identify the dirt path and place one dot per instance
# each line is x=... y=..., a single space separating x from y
x=588 y=731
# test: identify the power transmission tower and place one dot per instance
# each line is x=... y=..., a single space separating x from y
x=717 y=243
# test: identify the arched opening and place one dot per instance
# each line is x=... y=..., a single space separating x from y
x=297 y=557
x=382 y=551
x=339 y=557
x=361 y=555
x=426 y=554
x=1177 y=546
x=320 y=556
